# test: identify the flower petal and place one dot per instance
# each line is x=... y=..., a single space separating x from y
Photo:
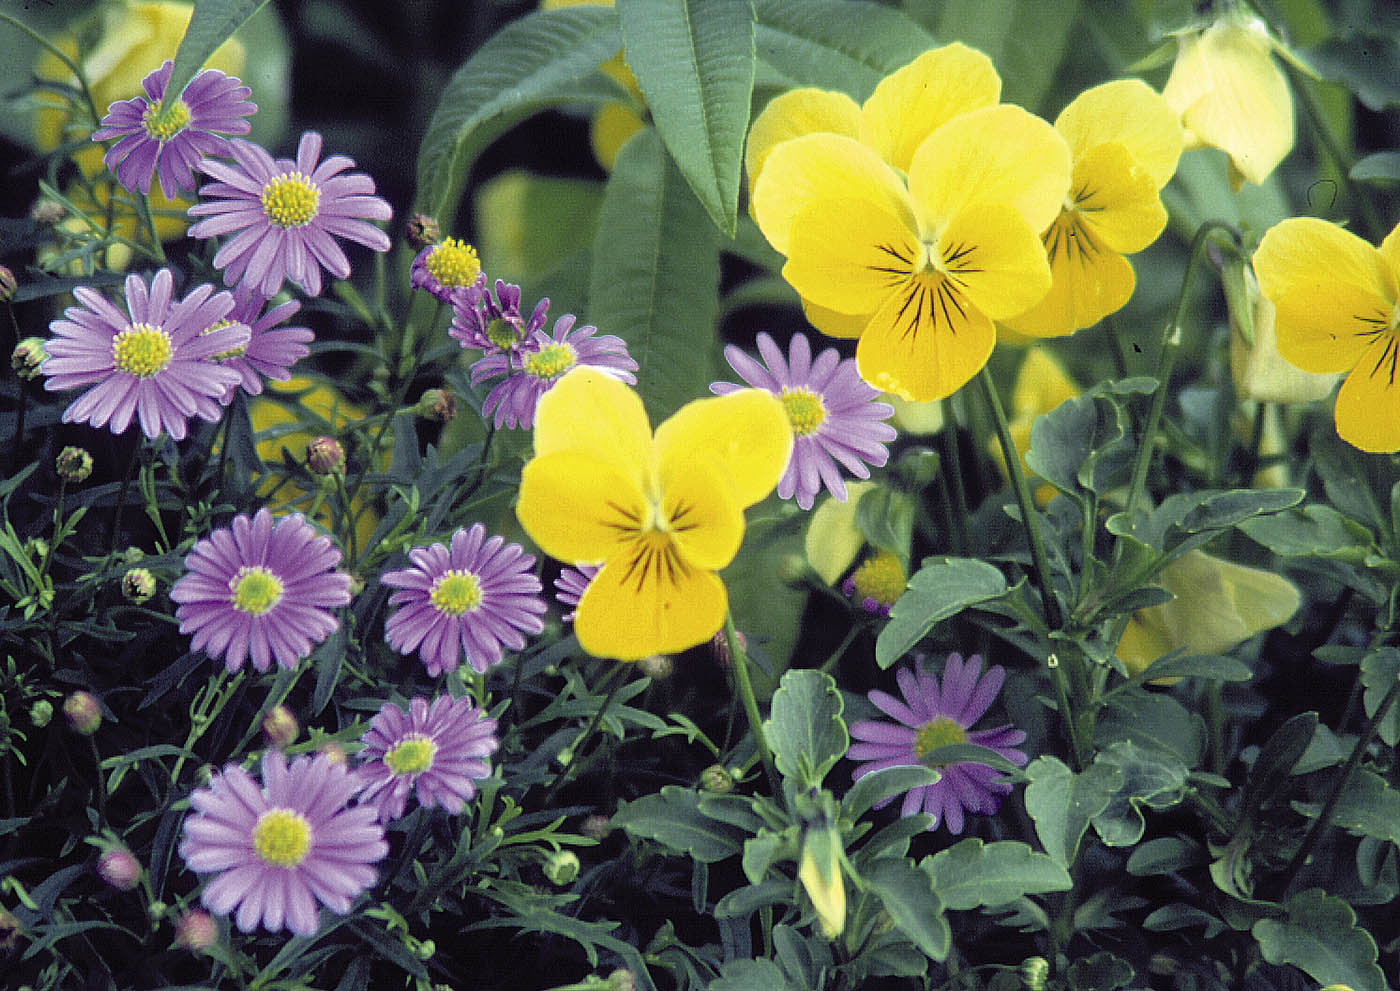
x=746 y=434
x=1130 y=113
x=592 y=412
x=633 y=609
x=1368 y=403
x=793 y=114
x=578 y=508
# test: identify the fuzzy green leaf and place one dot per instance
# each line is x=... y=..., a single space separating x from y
x=1062 y=803
x=751 y=975
x=212 y=23
x=1320 y=937
x=909 y=896
x=805 y=728
x=672 y=817
x=970 y=874
x=943 y=587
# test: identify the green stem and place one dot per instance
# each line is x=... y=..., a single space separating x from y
x=740 y=664
x=616 y=680
x=121 y=498
x=828 y=664
x=957 y=486
x=207 y=709
x=63 y=57
x=1058 y=676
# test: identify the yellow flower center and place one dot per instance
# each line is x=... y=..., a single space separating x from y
x=412 y=755
x=233 y=352
x=881 y=578
x=163 y=124
x=453 y=263
x=502 y=333
x=550 y=361
x=255 y=590
x=141 y=350
x=456 y=592
x=1070 y=236
x=282 y=837
x=939 y=733
x=290 y=200
x=804 y=409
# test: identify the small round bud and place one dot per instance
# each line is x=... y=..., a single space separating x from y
x=156 y=911
x=357 y=585
x=1034 y=973
x=119 y=868
x=10 y=933
x=196 y=931
x=716 y=779
x=425 y=950
x=133 y=555
x=138 y=585
x=279 y=726
x=40 y=713
x=561 y=867
x=83 y=712
x=325 y=456
x=622 y=980
x=334 y=753
x=8 y=284
x=422 y=231
x=658 y=667
x=438 y=405
x=73 y=464
x=596 y=827
x=27 y=359
x=47 y=212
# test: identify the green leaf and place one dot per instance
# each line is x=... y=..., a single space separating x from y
x=1026 y=39
x=885 y=783
x=909 y=896
x=971 y=874
x=1218 y=510
x=762 y=851
x=804 y=727
x=1153 y=721
x=545 y=58
x=747 y=900
x=1150 y=779
x=943 y=587
x=1062 y=803
x=655 y=275
x=886 y=518
x=751 y=975
x=212 y=23
x=672 y=817
x=1379 y=670
x=1101 y=972
x=1320 y=937
x=970 y=753
x=694 y=62
x=1366 y=63
x=1381 y=167
x=1163 y=855
x=1079 y=445
x=1317 y=530
x=1170 y=918
x=1277 y=756
x=1216 y=667
x=1368 y=805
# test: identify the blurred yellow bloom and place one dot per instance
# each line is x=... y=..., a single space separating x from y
x=833 y=540
x=1041 y=384
x=1230 y=95
x=1218 y=606
x=819 y=870
x=662 y=512
x=612 y=123
x=1337 y=309
x=1125 y=142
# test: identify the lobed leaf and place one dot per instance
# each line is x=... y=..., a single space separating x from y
x=909 y=895
x=1062 y=803
x=971 y=874
x=672 y=817
x=943 y=587
x=805 y=728
x=1320 y=937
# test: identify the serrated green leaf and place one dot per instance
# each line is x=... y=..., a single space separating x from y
x=672 y=817
x=970 y=874
x=1062 y=803
x=655 y=275
x=1320 y=937
x=211 y=24
x=694 y=62
x=545 y=58
x=1379 y=670
x=1150 y=779
x=909 y=896
x=1368 y=805
x=1153 y=721
x=885 y=783
x=805 y=728
x=943 y=587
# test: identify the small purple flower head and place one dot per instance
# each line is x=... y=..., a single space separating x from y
x=171 y=140
x=570 y=585
x=277 y=850
x=119 y=868
x=434 y=752
x=493 y=323
x=933 y=716
x=287 y=215
x=153 y=362
x=833 y=413
x=474 y=599
x=271 y=350
x=447 y=265
x=539 y=363
x=262 y=591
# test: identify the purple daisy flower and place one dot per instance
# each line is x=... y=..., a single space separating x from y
x=493 y=324
x=540 y=362
x=152 y=141
x=475 y=599
x=450 y=264
x=287 y=215
x=261 y=591
x=281 y=848
x=271 y=351
x=571 y=584
x=833 y=413
x=433 y=751
x=930 y=718
x=152 y=361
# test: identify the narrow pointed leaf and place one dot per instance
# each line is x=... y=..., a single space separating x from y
x=212 y=23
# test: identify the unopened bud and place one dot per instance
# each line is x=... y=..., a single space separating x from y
x=438 y=405
x=596 y=827
x=716 y=779
x=73 y=464
x=658 y=667
x=334 y=753
x=133 y=555
x=719 y=647
x=138 y=585
x=325 y=456
x=622 y=980
x=280 y=727
x=40 y=713
x=47 y=212
x=119 y=868
x=8 y=284
x=561 y=867
x=156 y=910
x=10 y=933
x=196 y=931
x=83 y=712
x=422 y=231
x=27 y=359
x=425 y=950
x=794 y=570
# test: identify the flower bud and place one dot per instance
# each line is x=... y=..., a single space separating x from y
x=1034 y=972
x=561 y=867
x=73 y=464
x=658 y=667
x=279 y=726
x=83 y=712
x=438 y=405
x=716 y=779
x=27 y=359
x=334 y=753
x=596 y=827
x=119 y=868
x=196 y=931
x=819 y=870
x=877 y=584
x=422 y=231
x=719 y=647
x=1258 y=370
x=156 y=911
x=10 y=933
x=40 y=713
x=138 y=585
x=133 y=555
x=8 y=284
x=622 y=980
x=46 y=212
x=325 y=456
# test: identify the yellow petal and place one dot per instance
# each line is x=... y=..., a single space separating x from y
x=819 y=167
x=998 y=154
x=746 y=435
x=1144 y=640
x=593 y=413
x=1331 y=291
x=833 y=539
x=578 y=508
x=1390 y=249
x=793 y=114
x=1368 y=403
x=610 y=129
x=1259 y=371
x=1126 y=112
x=649 y=603
x=913 y=102
x=834 y=324
x=699 y=510
x=1041 y=384
x=1117 y=199
x=995 y=259
x=849 y=255
x=1090 y=282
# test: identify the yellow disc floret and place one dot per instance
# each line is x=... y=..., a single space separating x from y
x=804 y=409
x=502 y=333
x=453 y=263
x=233 y=352
x=941 y=732
x=163 y=124
x=255 y=590
x=290 y=200
x=550 y=361
x=282 y=837
x=455 y=593
x=141 y=350
x=881 y=578
x=412 y=755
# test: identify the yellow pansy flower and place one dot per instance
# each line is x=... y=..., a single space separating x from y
x=1125 y=142
x=612 y=123
x=819 y=870
x=1337 y=309
x=918 y=271
x=1230 y=95
x=662 y=512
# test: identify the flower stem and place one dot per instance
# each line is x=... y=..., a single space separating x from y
x=745 y=688
x=956 y=485
x=615 y=678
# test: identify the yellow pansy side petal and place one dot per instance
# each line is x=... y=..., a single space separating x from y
x=1090 y=282
x=994 y=259
x=700 y=511
x=793 y=114
x=911 y=103
x=834 y=324
x=592 y=412
x=849 y=255
x=746 y=435
x=578 y=508
x=818 y=167
x=649 y=604
x=1332 y=292
x=1130 y=113
x=1368 y=403
x=999 y=154
x=1117 y=199
x=1390 y=250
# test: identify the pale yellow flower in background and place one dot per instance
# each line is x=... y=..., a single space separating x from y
x=612 y=123
x=833 y=540
x=819 y=870
x=1259 y=371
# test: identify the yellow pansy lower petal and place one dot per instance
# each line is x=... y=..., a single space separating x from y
x=1368 y=403
x=833 y=324
x=994 y=259
x=1390 y=250
x=913 y=102
x=592 y=412
x=578 y=508
x=1331 y=291
x=1117 y=199
x=745 y=434
x=699 y=509
x=817 y=167
x=649 y=602
x=793 y=114
x=849 y=255
x=1130 y=113
x=1090 y=282
x=925 y=346
x=998 y=154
